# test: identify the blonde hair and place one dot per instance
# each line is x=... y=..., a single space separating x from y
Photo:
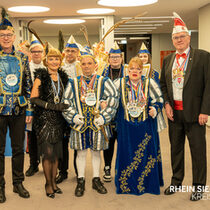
x=52 y=53
x=136 y=60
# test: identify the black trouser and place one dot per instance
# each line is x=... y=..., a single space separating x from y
x=32 y=147
x=108 y=153
x=197 y=142
x=64 y=164
x=16 y=125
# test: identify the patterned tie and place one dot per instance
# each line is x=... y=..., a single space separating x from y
x=183 y=55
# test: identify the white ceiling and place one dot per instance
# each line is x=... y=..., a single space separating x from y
x=187 y=9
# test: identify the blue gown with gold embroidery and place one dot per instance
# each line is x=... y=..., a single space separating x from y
x=138 y=163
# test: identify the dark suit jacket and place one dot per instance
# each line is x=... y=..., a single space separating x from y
x=196 y=90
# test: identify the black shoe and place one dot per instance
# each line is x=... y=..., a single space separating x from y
x=197 y=194
x=58 y=190
x=170 y=190
x=60 y=178
x=50 y=195
x=107 y=174
x=19 y=188
x=32 y=170
x=98 y=185
x=79 y=191
x=2 y=195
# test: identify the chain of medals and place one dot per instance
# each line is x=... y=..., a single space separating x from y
x=138 y=100
x=87 y=92
x=179 y=72
x=56 y=91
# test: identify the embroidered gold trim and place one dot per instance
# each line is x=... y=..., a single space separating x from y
x=150 y=164
x=134 y=165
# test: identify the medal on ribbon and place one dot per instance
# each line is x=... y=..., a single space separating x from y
x=88 y=95
x=11 y=80
x=55 y=91
x=138 y=101
x=134 y=110
x=90 y=98
x=179 y=72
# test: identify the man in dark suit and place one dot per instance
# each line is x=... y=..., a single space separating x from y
x=185 y=84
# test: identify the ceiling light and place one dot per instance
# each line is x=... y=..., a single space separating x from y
x=95 y=11
x=28 y=9
x=123 y=42
x=139 y=18
x=125 y=3
x=120 y=38
x=136 y=28
x=149 y=21
x=140 y=38
x=139 y=25
x=143 y=32
x=63 y=21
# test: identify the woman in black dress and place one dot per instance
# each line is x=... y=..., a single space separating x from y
x=48 y=122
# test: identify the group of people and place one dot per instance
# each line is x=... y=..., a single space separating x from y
x=68 y=101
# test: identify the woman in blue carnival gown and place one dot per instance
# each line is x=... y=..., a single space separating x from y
x=138 y=162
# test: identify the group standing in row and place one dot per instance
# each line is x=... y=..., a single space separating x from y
x=74 y=103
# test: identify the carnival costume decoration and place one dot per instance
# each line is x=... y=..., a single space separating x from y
x=138 y=163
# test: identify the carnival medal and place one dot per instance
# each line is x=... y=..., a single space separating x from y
x=90 y=98
x=11 y=80
x=56 y=99
x=134 y=110
x=178 y=78
x=56 y=92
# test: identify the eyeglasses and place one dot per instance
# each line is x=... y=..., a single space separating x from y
x=70 y=51
x=176 y=38
x=9 y=36
x=115 y=57
x=33 y=52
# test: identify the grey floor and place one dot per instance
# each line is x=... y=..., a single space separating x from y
x=111 y=201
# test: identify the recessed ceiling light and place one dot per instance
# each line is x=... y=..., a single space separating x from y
x=136 y=28
x=125 y=3
x=95 y=11
x=28 y=9
x=64 y=21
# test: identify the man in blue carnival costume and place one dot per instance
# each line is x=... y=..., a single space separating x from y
x=115 y=69
x=15 y=111
x=36 y=54
x=89 y=122
x=72 y=68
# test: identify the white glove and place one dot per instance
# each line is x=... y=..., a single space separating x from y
x=99 y=121
x=78 y=119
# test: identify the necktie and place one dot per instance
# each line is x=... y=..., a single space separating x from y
x=183 y=55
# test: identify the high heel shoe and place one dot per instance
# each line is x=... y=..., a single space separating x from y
x=50 y=195
x=58 y=190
